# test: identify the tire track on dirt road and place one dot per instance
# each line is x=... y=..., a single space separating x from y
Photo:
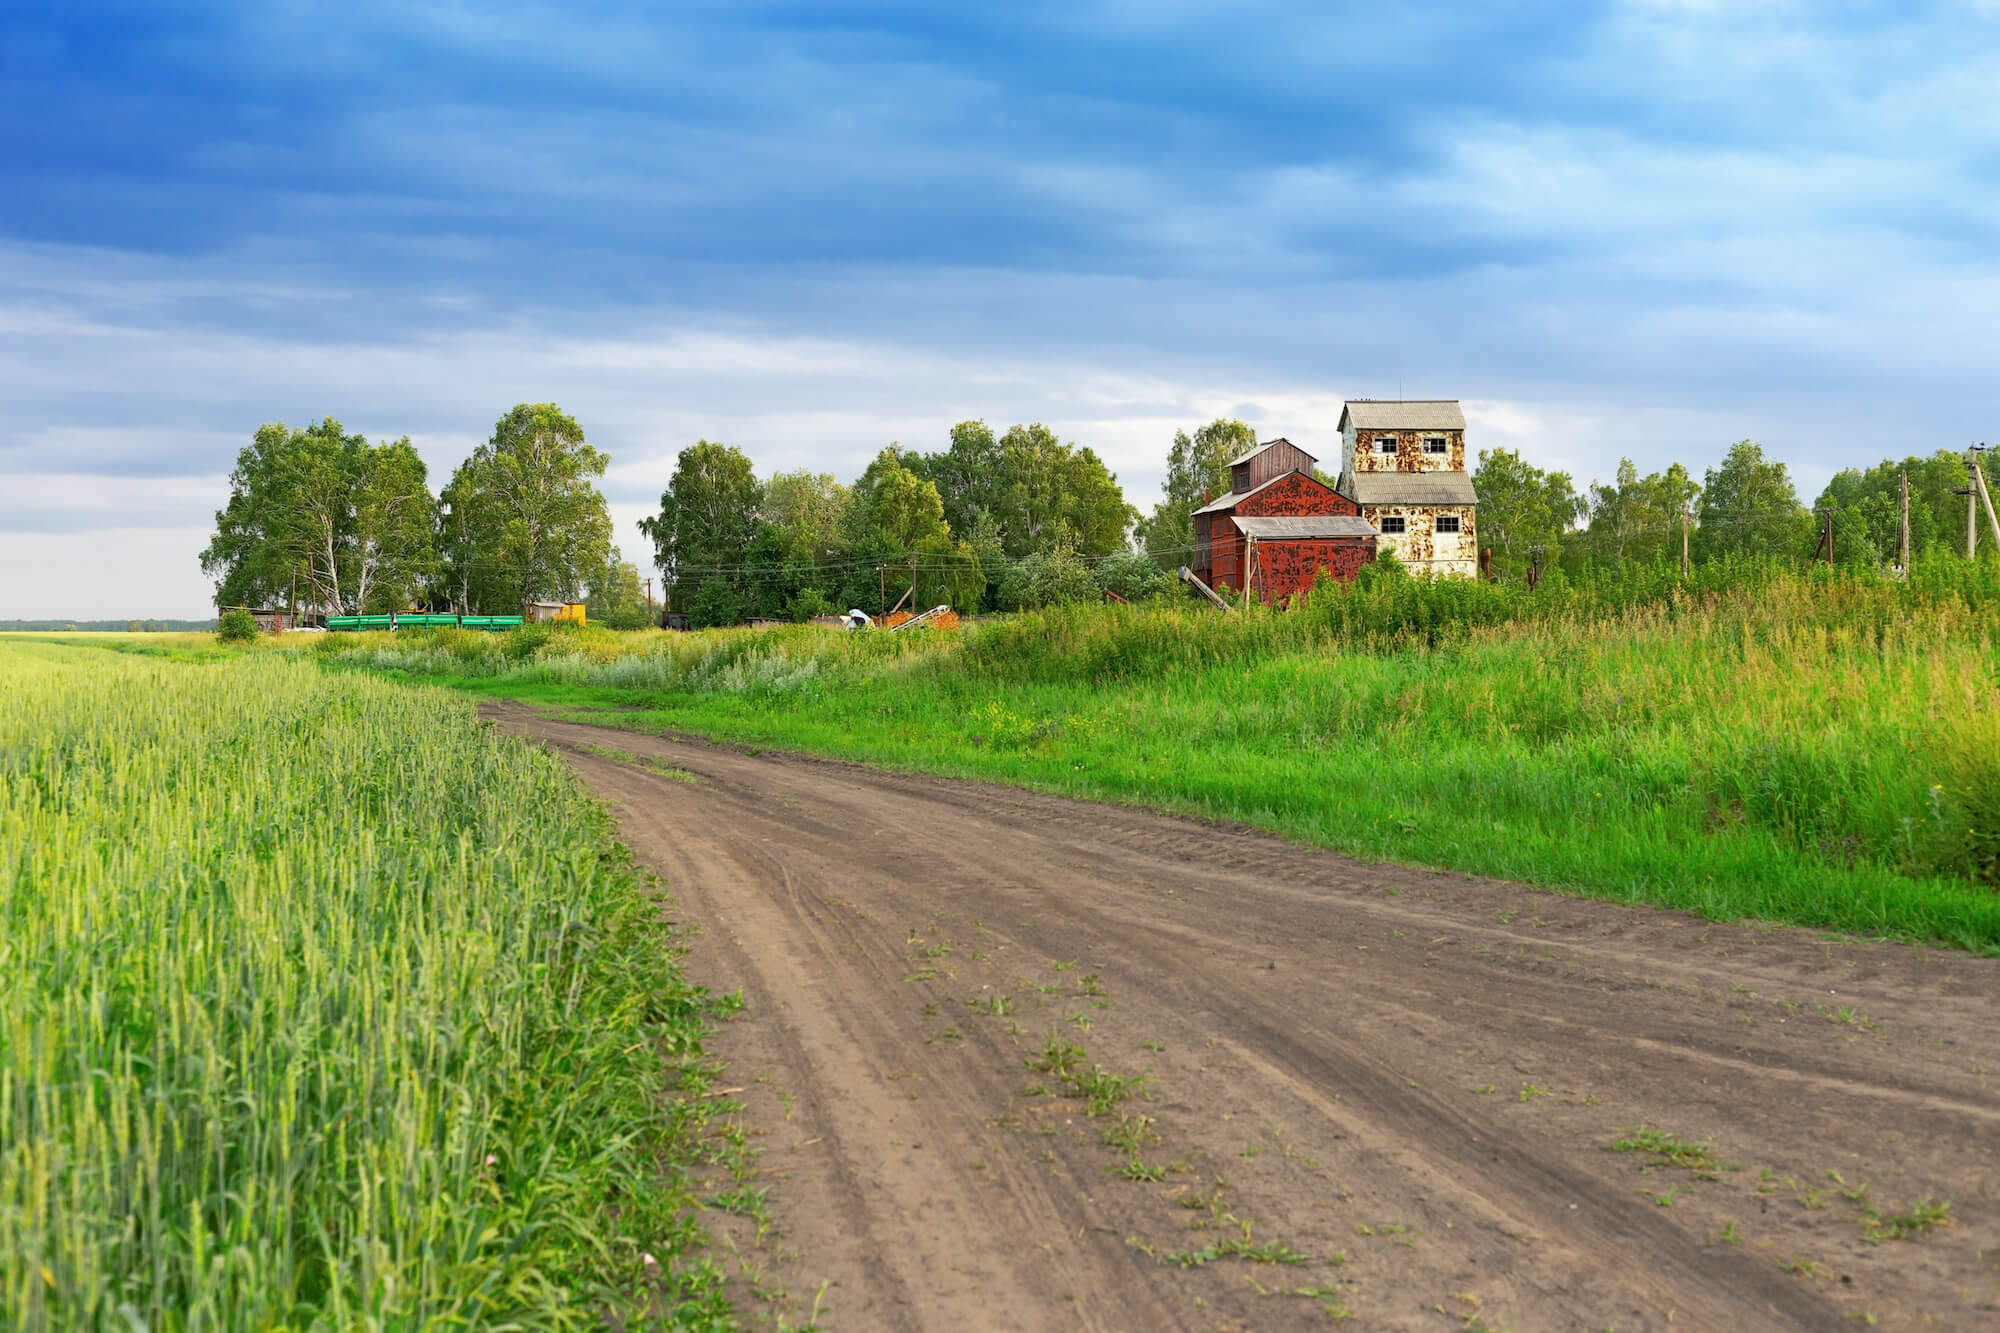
x=1413 y=1079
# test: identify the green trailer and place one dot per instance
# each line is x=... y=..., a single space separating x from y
x=421 y=620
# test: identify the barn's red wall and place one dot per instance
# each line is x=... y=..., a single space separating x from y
x=1291 y=565
x=1294 y=496
x=1225 y=554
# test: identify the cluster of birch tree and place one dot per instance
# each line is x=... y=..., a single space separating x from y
x=322 y=520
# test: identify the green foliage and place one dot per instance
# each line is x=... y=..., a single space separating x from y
x=809 y=506
x=1521 y=506
x=1971 y=784
x=395 y=529
x=897 y=520
x=1055 y=576
x=1197 y=471
x=1133 y=576
x=811 y=602
x=322 y=1006
x=708 y=515
x=626 y=616
x=970 y=476
x=617 y=598
x=237 y=626
x=1047 y=485
x=526 y=521
x=1868 y=526
x=895 y=511
x=290 y=519
x=1637 y=520
x=1748 y=507
x=714 y=603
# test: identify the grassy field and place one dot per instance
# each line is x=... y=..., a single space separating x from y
x=1820 y=749
x=320 y=1005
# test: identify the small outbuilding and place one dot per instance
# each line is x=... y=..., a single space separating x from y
x=272 y=620
x=571 y=612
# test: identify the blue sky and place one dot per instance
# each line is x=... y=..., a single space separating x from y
x=1643 y=229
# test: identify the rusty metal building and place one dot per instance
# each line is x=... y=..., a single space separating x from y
x=1403 y=464
x=1278 y=527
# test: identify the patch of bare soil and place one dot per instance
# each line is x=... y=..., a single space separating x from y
x=1367 y=1090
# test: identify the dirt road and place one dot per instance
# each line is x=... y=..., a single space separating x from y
x=1413 y=1081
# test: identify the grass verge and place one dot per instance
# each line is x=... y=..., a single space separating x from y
x=1817 y=748
x=322 y=1005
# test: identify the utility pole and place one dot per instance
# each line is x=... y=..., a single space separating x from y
x=1971 y=508
x=881 y=592
x=1985 y=497
x=1684 y=541
x=1826 y=538
x=649 y=602
x=1903 y=533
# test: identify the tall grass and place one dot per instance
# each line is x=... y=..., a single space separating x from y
x=321 y=1005
x=1818 y=747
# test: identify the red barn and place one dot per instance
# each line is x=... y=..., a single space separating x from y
x=1278 y=527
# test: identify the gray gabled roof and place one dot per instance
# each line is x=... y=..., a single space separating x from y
x=1307 y=525
x=1258 y=449
x=1413 y=488
x=1425 y=414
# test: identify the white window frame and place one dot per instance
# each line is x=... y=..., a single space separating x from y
x=1402 y=525
x=1443 y=443
x=1457 y=525
x=1386 y=444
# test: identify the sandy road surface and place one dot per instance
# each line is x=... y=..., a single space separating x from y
x=1412 y=1079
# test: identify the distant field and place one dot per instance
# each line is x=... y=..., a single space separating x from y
x=321 y=1005
x=1819 y=749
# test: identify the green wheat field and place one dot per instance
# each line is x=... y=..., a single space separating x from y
x=321 y=1005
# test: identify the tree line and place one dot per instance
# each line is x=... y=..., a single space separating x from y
x=320 y=519
x=1747 y=505
x=991 y=520
x=323 y=520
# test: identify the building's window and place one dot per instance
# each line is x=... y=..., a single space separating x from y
x=1446 y=523
x=1385 y=444
x=1436 y=444
x=1390 y=524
